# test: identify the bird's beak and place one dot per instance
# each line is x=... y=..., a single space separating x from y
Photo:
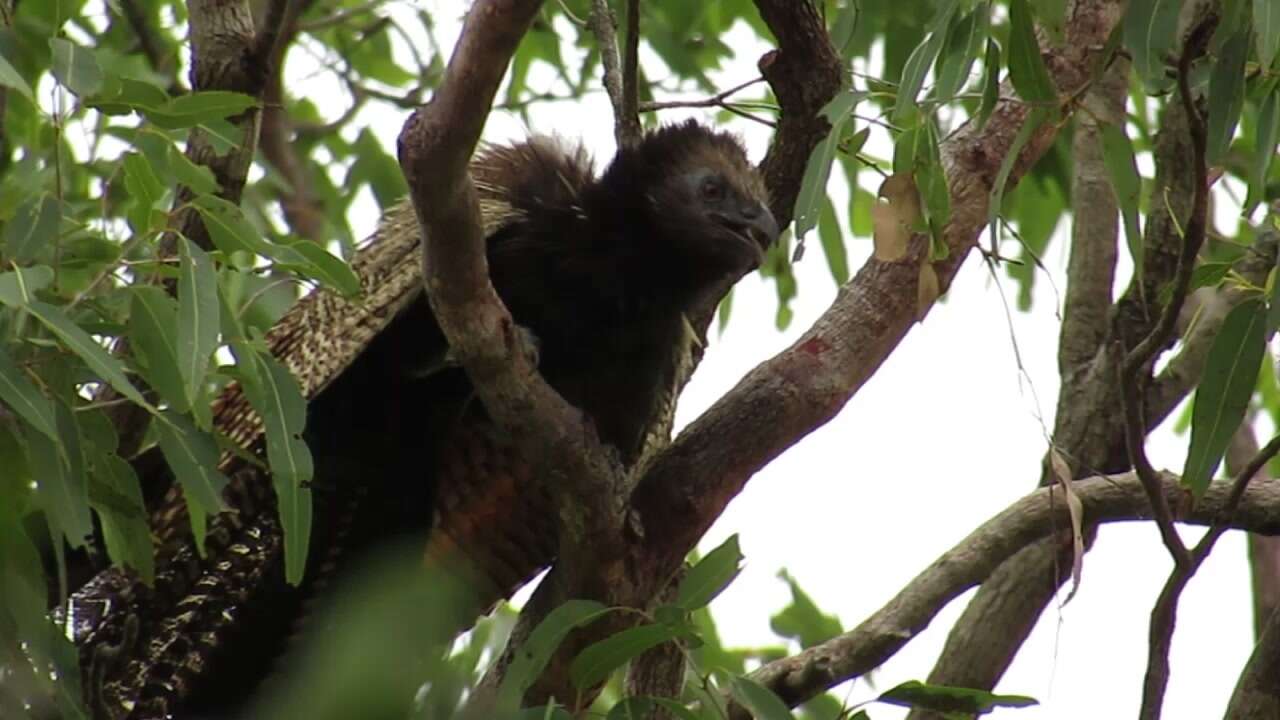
x=755 y=225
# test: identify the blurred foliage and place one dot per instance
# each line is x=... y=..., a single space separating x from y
x=98 y=118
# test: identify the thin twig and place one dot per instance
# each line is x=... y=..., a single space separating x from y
x=605 y=27
x=631 y=66
x=1137 y=359
x=341 y=16
x=717 y=100
x=1164 y=614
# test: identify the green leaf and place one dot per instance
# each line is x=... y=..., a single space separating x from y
x=23 y=397
x=1117 y=155
x=75 y=67
x=1208 y=275
x=145 y=190
x=35 y=225
x=641 y=707
x=58 y=469
x=537 y=649
x=193 y=456
x=1027 y=70
x=802 y=620
x=130 y=96
x=1033 y=121
x=199 y=108
x=117 y=497
x=964 y=42
x=762 y=703
x=313 y=261
x=278 y=400
x=197 y=177
x=1226 y=96
x=832 y=238
x=153 y=329
x=1266 y=24
x=103 y=363
x=710 y=576
x=11 y=78
x=1231 y=369
x=1265 y=147
x=227 y=225
x=197 y=335
x=990 y=82
x=598 y=661
x=919 y=62
x=947 y=699
x=20 y=285
x=1150 y=30
x=813 y=185
x=844 y=29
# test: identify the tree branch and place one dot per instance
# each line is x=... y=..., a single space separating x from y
x=435 y=146
x=1137 y=360
x=605 y=28
x=970 y=562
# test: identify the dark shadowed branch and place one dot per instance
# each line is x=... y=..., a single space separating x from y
x=435 y=148
x=1139 y=358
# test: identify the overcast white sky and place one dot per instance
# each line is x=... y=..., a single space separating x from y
x=945 y=435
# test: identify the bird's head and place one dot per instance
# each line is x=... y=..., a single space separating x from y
x=700 y=198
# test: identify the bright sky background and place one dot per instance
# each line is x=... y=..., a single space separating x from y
x=945 y=435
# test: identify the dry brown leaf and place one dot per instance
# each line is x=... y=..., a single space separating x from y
x=1076 y=509
x=896 y=212
x=926 y=290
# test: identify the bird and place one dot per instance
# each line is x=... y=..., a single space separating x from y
x=602 y=272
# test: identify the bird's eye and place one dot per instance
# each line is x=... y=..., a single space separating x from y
x=712 y=190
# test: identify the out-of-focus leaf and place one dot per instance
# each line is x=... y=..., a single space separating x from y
x=759 y=700
x=1266 y=24
x=843 y=29
x=643 y=708
x=153 y=330
x=1027 y=70
x=199 y=108
x=106 y=365
x=19 y=286
x=117 y=497
x=1265 y=147
x=1034 y=119
x=710 y=576
x=75 y=67
x=23 y=397
x=990 y=81
x=278 y=400
x=1231 y=369
x=1226 y=96
x=35 y=225
x=533 y=655
x=59 y=473
x=802 y=620
x=193 y=456
x=1150 y=30
x=595 y=663
x=946 y=699
x=1117 y=155
x=197 y=177
x=11 y=78
x=144 y=189
x=833 y=243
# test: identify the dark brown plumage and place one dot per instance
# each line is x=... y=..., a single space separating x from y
x=601 y=270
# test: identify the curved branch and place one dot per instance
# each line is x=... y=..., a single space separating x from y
x=1030 y=519
x=435 y=147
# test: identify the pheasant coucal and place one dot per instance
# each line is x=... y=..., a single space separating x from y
x=602 y=271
